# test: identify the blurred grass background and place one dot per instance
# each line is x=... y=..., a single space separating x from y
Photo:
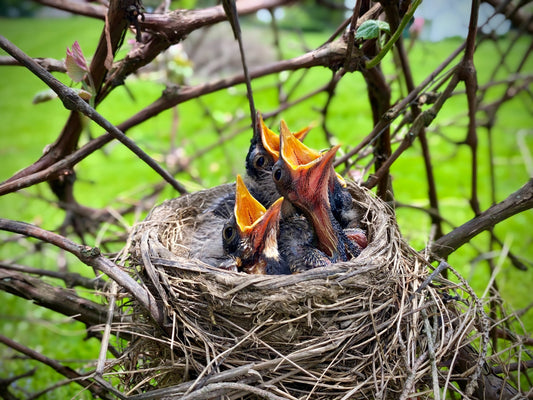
x=115 y=177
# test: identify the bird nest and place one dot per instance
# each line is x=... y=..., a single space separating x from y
x=373 y=327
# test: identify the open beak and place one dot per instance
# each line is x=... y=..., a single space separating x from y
x=294 y=151
x=258 y=230
x=247 y=208
x=263 y=233
x=306 y=184
x=254 y=221
x=297 y=153
x=271 y=141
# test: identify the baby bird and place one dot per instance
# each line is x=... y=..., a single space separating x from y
x=340 y=199
x=262 y=154
x=250 y=238
x=309 y=183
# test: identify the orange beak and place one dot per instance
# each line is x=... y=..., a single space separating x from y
x=258 y=227
x=271 y=141
x=306 y=185
x=247 y=209
x=297 y=153
x=294 y=151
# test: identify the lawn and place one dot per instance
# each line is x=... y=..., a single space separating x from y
x=114 y=176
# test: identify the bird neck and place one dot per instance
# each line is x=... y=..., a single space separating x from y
x=322 y=218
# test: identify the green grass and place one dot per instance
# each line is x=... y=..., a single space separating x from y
x=114 y=177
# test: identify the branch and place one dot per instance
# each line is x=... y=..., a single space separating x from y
x=397 y=34
x=67 y=141
x=164 y=30
x=50 y=64
x=423 y=120
x=519 y=201
x=72 y=101
x=518 y=16
x=63 y=301
x=90 y=385
x=398 y=108
x=90 y=256
x=71 y=279
x=77 y=7
x=6 y=382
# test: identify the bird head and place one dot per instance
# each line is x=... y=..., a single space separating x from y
x=252 y=236
x=303 y=176
x=264 y=148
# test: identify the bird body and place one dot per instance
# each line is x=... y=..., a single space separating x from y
x=206 y=242
x=297 y=241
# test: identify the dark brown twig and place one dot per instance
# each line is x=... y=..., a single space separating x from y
x=72 y=101
x=517 y=202
x=89 y=256
x=68 y=372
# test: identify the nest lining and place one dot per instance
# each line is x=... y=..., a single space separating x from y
x=355 y=329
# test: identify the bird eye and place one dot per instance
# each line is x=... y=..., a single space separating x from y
x=277 y=173
x=228 y=233
x=260 y=161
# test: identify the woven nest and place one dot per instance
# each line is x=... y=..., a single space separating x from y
x=357 y=329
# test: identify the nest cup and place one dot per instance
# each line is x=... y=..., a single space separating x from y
x=357 y=329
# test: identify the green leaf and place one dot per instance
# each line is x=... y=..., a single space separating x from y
x=370 y=29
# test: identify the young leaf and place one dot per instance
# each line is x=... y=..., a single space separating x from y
x=84 y=94
x=370 y=29
x=75 y=63
x=43 y=96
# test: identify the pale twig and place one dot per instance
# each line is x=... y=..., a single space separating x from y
x=107 y=331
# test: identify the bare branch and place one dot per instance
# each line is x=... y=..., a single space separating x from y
x=77 y=7
x=517 y=202
x=68 y=372
x=90 y=256
x=63 y=301
x=72 y=101
x=71 y=279
x=50 y=64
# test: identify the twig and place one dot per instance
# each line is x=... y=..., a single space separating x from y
x=515 y=203
x=219 y=389
x=6 y=382
x=406 y=18
x=230 y=9
x=399 y=108
x=107 y=331
x=524 y=365
x=90 y=256
x=96 y=389
x=71 y=279
x=50 y=64
x=441 y=267
x=72 y=101
x=432 y=357
x=424 y=119
x=467 y=73
x=55 y=298
x=77 y=7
